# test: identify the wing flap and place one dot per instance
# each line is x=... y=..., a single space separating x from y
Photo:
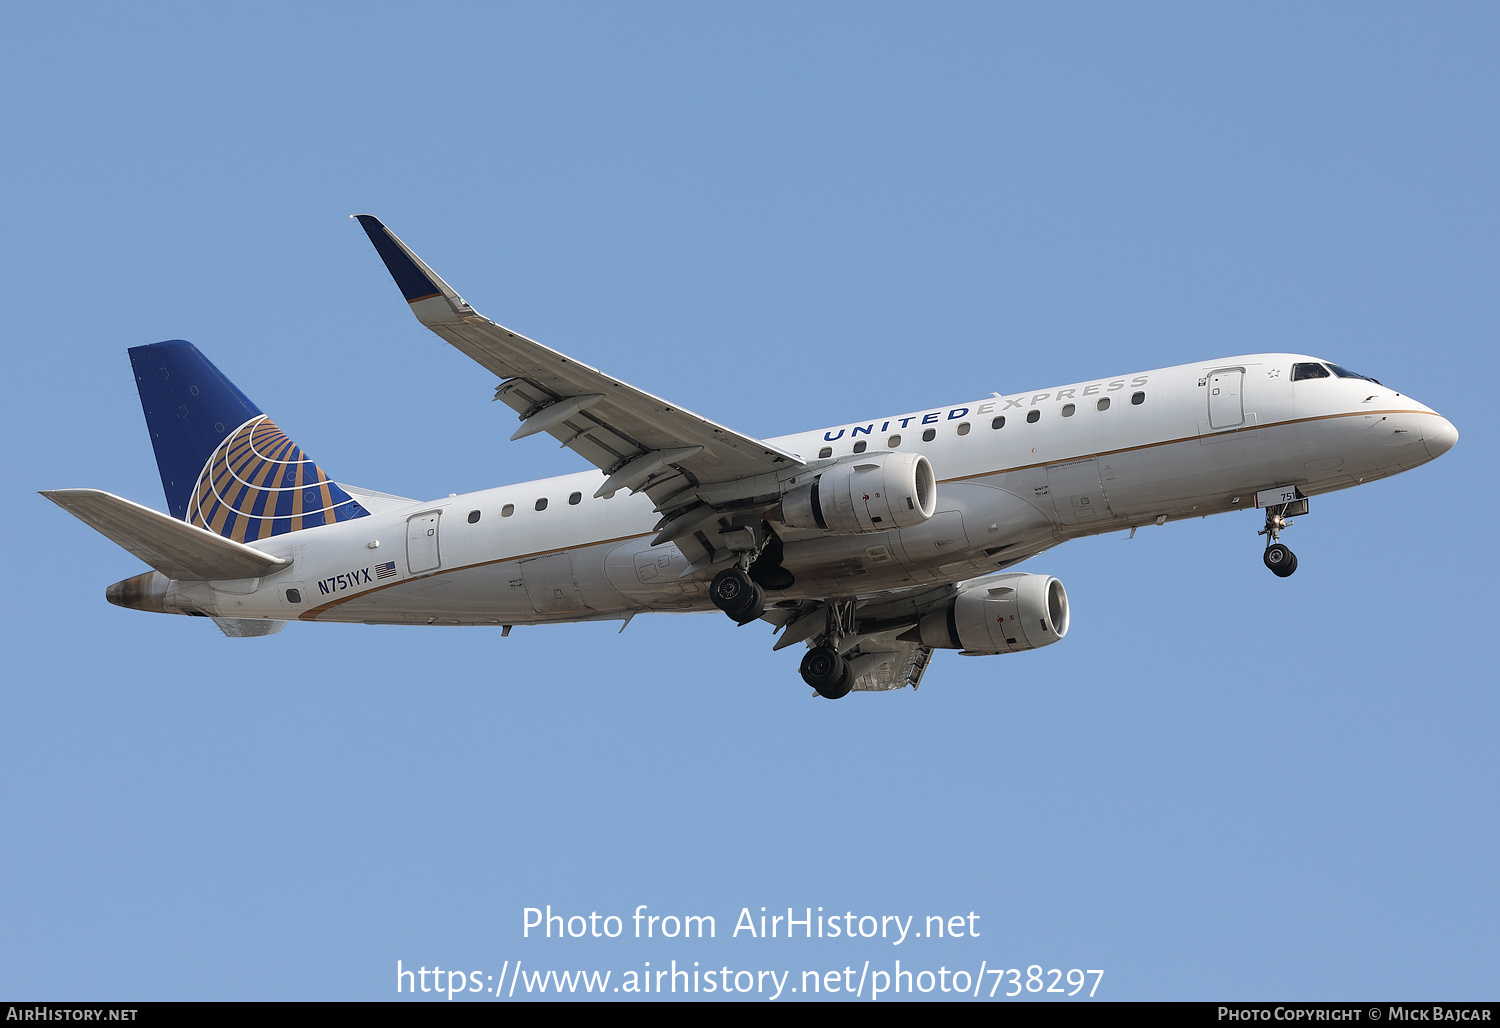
x=902 y=665
x=175 y=548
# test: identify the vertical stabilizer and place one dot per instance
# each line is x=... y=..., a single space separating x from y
x=224 y=465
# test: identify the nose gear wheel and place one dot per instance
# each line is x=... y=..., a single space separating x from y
x=1280 y=560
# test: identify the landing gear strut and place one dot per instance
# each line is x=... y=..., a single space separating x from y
x=1281 y=560
x=735 y=594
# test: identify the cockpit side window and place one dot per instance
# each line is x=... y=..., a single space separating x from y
x=1346 y=373
x=1304 y=371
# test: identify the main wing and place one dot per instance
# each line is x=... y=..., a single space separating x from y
x=641 y=442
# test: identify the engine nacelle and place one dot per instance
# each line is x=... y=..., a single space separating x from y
x=875 y=494
x=1000 y=615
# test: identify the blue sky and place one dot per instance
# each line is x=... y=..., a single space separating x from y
x=1221 y=785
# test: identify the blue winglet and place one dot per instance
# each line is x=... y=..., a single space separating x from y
x=414 y=281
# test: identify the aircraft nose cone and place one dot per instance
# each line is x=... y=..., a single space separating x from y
x=1439 y=438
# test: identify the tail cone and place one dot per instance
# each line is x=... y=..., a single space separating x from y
x=146 y=591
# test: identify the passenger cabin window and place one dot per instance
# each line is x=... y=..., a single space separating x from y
x=542 y=503
x=929 y=435
x=473 y=517
x=998 y=423
x=1032 y=417
x=573 y=499
x=826 y=451
x=893 y=442
x=507 y=510
x=293 y=596
x=963 y=428
x=1306 y=371
x=1137 y=398
x=1068 y=410
x=860 y=446
x=1103 y=403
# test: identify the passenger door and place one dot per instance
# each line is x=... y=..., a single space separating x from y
x=1225 y=408
x=422 y=542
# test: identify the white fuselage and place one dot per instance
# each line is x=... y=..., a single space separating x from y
x=1203 y=439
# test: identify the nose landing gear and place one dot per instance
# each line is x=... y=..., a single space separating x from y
x=1281 y=560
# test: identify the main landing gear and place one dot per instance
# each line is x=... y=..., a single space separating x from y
x=825 y=667
x=1281 y=560
x=735 y=594
x=740 y=591
x=827 y=672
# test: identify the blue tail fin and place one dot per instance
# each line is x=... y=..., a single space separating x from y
x=225 y=466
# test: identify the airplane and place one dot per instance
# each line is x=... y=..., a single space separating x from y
x=872 y=543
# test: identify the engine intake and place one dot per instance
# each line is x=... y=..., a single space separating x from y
x=998 y=615
x=874 y=494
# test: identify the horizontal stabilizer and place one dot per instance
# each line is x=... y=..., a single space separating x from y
x=175 y=548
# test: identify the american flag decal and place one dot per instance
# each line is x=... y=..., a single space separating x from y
x=386 y=570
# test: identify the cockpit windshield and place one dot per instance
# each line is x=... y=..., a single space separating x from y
x=1346 y=373
x=1307 y=370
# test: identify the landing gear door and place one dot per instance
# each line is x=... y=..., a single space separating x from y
x=1226 y=408
x=422 y=542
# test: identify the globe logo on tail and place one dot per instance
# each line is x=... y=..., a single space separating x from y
x=258 y=484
